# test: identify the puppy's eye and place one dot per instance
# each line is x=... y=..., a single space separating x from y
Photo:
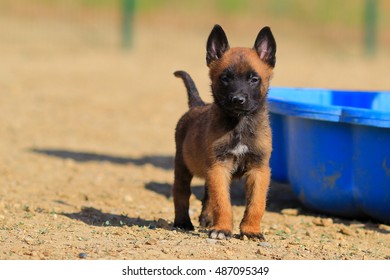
x=254 y=80
x=225 y=79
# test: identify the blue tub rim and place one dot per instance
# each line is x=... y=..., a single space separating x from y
x=333 y=113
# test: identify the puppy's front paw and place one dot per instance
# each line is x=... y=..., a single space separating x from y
x=252 y=236
x=220 y=234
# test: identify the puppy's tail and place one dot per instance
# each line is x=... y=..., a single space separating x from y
x=192 y=92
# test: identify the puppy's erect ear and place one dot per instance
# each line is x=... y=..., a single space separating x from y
x=265 y=46
x=217 y=44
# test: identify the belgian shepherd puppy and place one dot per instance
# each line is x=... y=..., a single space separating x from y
x=229 y=138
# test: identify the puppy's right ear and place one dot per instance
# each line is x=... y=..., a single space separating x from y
x=217 y=44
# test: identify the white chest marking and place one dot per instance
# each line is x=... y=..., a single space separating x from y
x=239 y=150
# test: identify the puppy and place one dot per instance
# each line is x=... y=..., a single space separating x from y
x=228 y=138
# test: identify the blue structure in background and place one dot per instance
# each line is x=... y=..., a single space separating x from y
x=333 y=147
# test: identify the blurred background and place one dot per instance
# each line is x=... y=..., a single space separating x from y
x=103 y=68
x=324 y=43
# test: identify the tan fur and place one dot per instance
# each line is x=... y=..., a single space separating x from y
x=258 y=180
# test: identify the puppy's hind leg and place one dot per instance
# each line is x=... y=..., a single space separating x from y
x=206 y=218
x=181 y=194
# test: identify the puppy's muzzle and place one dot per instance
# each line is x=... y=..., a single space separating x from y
x=238 y=100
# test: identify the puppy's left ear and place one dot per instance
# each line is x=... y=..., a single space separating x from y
x=265 y=46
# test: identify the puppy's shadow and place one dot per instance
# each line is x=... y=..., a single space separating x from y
x=94 y=217
x=280 y=196
x=237 y=192
x=160 y=161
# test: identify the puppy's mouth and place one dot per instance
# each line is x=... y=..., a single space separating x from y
x=240 y=110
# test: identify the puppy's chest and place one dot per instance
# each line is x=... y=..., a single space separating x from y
x=241 y=150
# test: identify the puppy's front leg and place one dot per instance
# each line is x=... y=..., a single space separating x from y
x=257 y=183
x=218 y=181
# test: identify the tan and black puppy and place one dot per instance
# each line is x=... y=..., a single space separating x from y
x=228 y=138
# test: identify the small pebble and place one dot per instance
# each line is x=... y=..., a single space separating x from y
x=274 y=227
x=34 y=253
x=229 y=252
x=346 y=231
x=265 y=244
x=357 y=225
x=384 y=227
x=327 y=222
x=211 y=241
x=317 y=221
x=339 y=237
x=165 y=251
x=29 y=240
x=290 y=212
x=342 y=245
x=83 y=255
x=151 y=241
x=323 y=222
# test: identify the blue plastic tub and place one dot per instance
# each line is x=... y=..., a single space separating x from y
x=333 y=148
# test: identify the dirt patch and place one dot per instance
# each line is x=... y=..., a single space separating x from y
x=87 y=147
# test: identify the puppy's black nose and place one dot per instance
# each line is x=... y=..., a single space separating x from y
x=238 y=100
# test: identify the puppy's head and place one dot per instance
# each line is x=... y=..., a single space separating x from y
x=240 y=76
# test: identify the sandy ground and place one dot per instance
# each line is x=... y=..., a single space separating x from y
x=87 y=145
